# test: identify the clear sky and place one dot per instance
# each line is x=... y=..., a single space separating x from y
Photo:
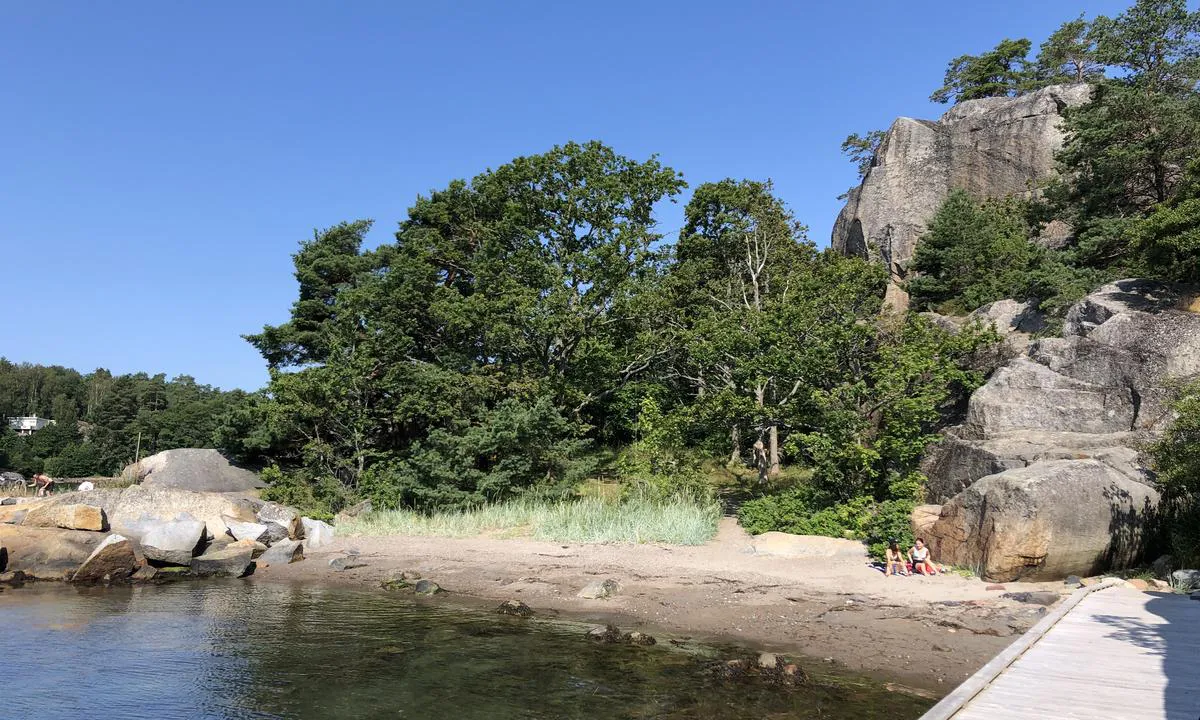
x=159 y=161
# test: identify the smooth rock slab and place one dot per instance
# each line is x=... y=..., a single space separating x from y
x=174 y=542
x=45 y=553
x=283 y=552
x=67 y=517
x=112 y=560
x=789 y=545
x=229 y=561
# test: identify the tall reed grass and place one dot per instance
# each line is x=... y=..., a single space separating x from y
x=583 y=520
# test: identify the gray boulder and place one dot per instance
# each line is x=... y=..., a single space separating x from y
x=193 y=469
x=1185 y=580
x=282 y=521
x=1010 y=316
x=233 y=560
x=283 y=552
x=173 y=542
x=317 y=534
x=1046 y=521
x=1100 y=393
x=991 y=147
x=240 y=530
x=126 y=508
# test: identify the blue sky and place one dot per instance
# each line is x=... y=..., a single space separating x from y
x=162 y=160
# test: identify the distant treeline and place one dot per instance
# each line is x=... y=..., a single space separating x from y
x=103 y=421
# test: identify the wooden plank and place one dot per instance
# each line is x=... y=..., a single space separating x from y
x=1113 y=654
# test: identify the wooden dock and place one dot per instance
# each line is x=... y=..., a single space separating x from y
x=1107 y=651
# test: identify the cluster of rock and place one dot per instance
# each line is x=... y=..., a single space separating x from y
x=992 y=147
x=139 y=532
x=1045 y=478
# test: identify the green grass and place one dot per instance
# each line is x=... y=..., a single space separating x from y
x=586 y=520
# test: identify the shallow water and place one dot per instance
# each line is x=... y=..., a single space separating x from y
x=250 y=650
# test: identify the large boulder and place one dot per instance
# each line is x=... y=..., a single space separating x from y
x=69 y=517
x=232 y=560
x=317 y=534
x=45 y=553
x=193 y=469
x=283 y=552
x=126 y=508
x=282 y=521
x=246 y=530
x=173 y=542
x=1045 y=521
x=990 y=147
x=113 y=559
x=1091 y=399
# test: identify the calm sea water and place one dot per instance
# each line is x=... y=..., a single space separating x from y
x=251 y=650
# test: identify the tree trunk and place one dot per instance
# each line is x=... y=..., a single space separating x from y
x=761 y=462
x=774 y=435
x=735 y=440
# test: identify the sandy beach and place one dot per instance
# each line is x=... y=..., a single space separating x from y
x=929 y=633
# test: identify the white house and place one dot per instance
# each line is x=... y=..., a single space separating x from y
x=28 y=425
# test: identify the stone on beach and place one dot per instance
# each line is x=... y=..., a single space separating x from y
x=246 y=530
x=67 y=517
x=229 y=561
x=113 y=559
x=598 y=589
x=282 y=522
x=174 y=542
x=283 y=552
x=317 y=534
x=427 y=587
x=515 y=608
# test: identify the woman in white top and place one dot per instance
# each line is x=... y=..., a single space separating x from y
x=921 y=562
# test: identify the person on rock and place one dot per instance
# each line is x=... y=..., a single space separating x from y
x=921 y=561
x=894 y=559
x=42 y=482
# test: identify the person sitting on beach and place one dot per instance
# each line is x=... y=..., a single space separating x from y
x=922 y=563
x=894 y=558
x=42 y=482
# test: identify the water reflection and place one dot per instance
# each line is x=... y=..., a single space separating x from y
x=255 y=650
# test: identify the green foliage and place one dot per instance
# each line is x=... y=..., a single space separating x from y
x=862 y=149
x=861 y=518
x=1176 y=460
x=974 y=253
x=1069 y=55
x=999 y=72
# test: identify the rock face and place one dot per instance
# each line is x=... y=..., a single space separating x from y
x=125 y=508
x=45 y=553
x=990 y=147
x=284 y=552
x=282 y=521
x=68 y=517
x=193 y=469
x=1045 y=479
